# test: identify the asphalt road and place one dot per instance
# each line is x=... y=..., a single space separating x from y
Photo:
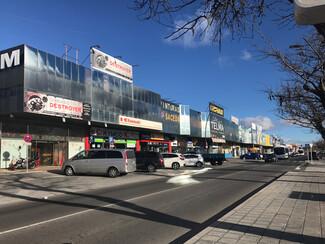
x=162 y=210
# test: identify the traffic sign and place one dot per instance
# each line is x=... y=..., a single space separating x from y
x=27 y=138
x=111 y=140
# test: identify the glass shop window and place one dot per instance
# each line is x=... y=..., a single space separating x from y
x=74 y=72
x=82 y=77
x=94 y=76
x=42 y=61
x=51 y=64
x=59 y=67
x=67 y=69
x=31 y=58
x=111 y=84
x=100 y=80
x=117 y=87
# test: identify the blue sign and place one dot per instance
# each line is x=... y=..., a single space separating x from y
x=111 y=140
x=27 y=138
x=91 y=138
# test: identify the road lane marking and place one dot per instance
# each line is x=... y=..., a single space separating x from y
x=187 y=178
x=85 y=211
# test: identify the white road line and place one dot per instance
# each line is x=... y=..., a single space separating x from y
x=85 y=211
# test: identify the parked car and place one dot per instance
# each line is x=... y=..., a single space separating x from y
x=193 y=160
x=251 y=156
x=270 y=157
x=113 y=162
x=150 y=161
x=173 y=160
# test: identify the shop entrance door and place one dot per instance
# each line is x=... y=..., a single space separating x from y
x=50 y=153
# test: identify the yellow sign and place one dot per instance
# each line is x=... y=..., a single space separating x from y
x=215 y=109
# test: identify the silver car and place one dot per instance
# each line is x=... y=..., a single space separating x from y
x=193 y=160
x=112 y=162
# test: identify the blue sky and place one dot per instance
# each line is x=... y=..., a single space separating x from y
x=189 y=72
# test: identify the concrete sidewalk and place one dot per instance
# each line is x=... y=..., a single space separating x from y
x=289 y=210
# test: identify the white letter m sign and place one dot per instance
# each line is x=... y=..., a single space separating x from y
x=9 y=61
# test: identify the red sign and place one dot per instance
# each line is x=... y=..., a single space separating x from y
x=27 y=138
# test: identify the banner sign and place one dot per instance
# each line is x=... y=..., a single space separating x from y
x=170 y=117
x=110 y=65
x=141 y=123
x=49 y=105
x=234 y=119
x=215 y=109
x=217 y=126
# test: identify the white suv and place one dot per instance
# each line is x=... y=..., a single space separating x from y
x=173 y=160
x=193 y=160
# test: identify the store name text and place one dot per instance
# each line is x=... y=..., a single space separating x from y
x=13 y=60
x=65 y=107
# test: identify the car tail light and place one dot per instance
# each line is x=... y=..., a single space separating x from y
x=181 y=158
x=125 y=156
x=161 y=161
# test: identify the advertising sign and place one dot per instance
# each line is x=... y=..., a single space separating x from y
x=49 y=105
x=215 y=109
x=141 y=123
x=170 y=117
x=217 y=127
x=111 y=133
x=112 y=66
x=11 y=58
x=234 y=119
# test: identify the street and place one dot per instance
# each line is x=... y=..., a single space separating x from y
x=160 y=209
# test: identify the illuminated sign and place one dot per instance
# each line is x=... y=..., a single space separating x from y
x=215 y=109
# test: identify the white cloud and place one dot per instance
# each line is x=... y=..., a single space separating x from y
x=224 y=61
x=189 y=40
x=263 y=121
x=246 y=55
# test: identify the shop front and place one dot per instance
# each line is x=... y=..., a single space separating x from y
x=112 y=138
x=50 y=143
x=156 y=142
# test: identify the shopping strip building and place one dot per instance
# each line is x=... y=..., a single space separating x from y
x=53 y=108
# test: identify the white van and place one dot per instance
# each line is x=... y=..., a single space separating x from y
x=112 y=162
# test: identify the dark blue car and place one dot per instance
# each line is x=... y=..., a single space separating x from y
x=251 y=156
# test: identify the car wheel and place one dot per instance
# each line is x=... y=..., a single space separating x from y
x=213 y=162
x=199 y=164
x=151 y=168
x=175 y=165
x=112 y=172
x=68 y=171
x=220 y=162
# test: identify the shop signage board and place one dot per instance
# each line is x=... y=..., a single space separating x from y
x=11 y=57
x=234 y=119
x=110 y=65
x=55 y=106
x=141 y=123
x=114 y=133
x=215 y=109
x=217 y=127
x=170 y=117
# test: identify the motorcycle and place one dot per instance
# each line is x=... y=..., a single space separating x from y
x=22 y=163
